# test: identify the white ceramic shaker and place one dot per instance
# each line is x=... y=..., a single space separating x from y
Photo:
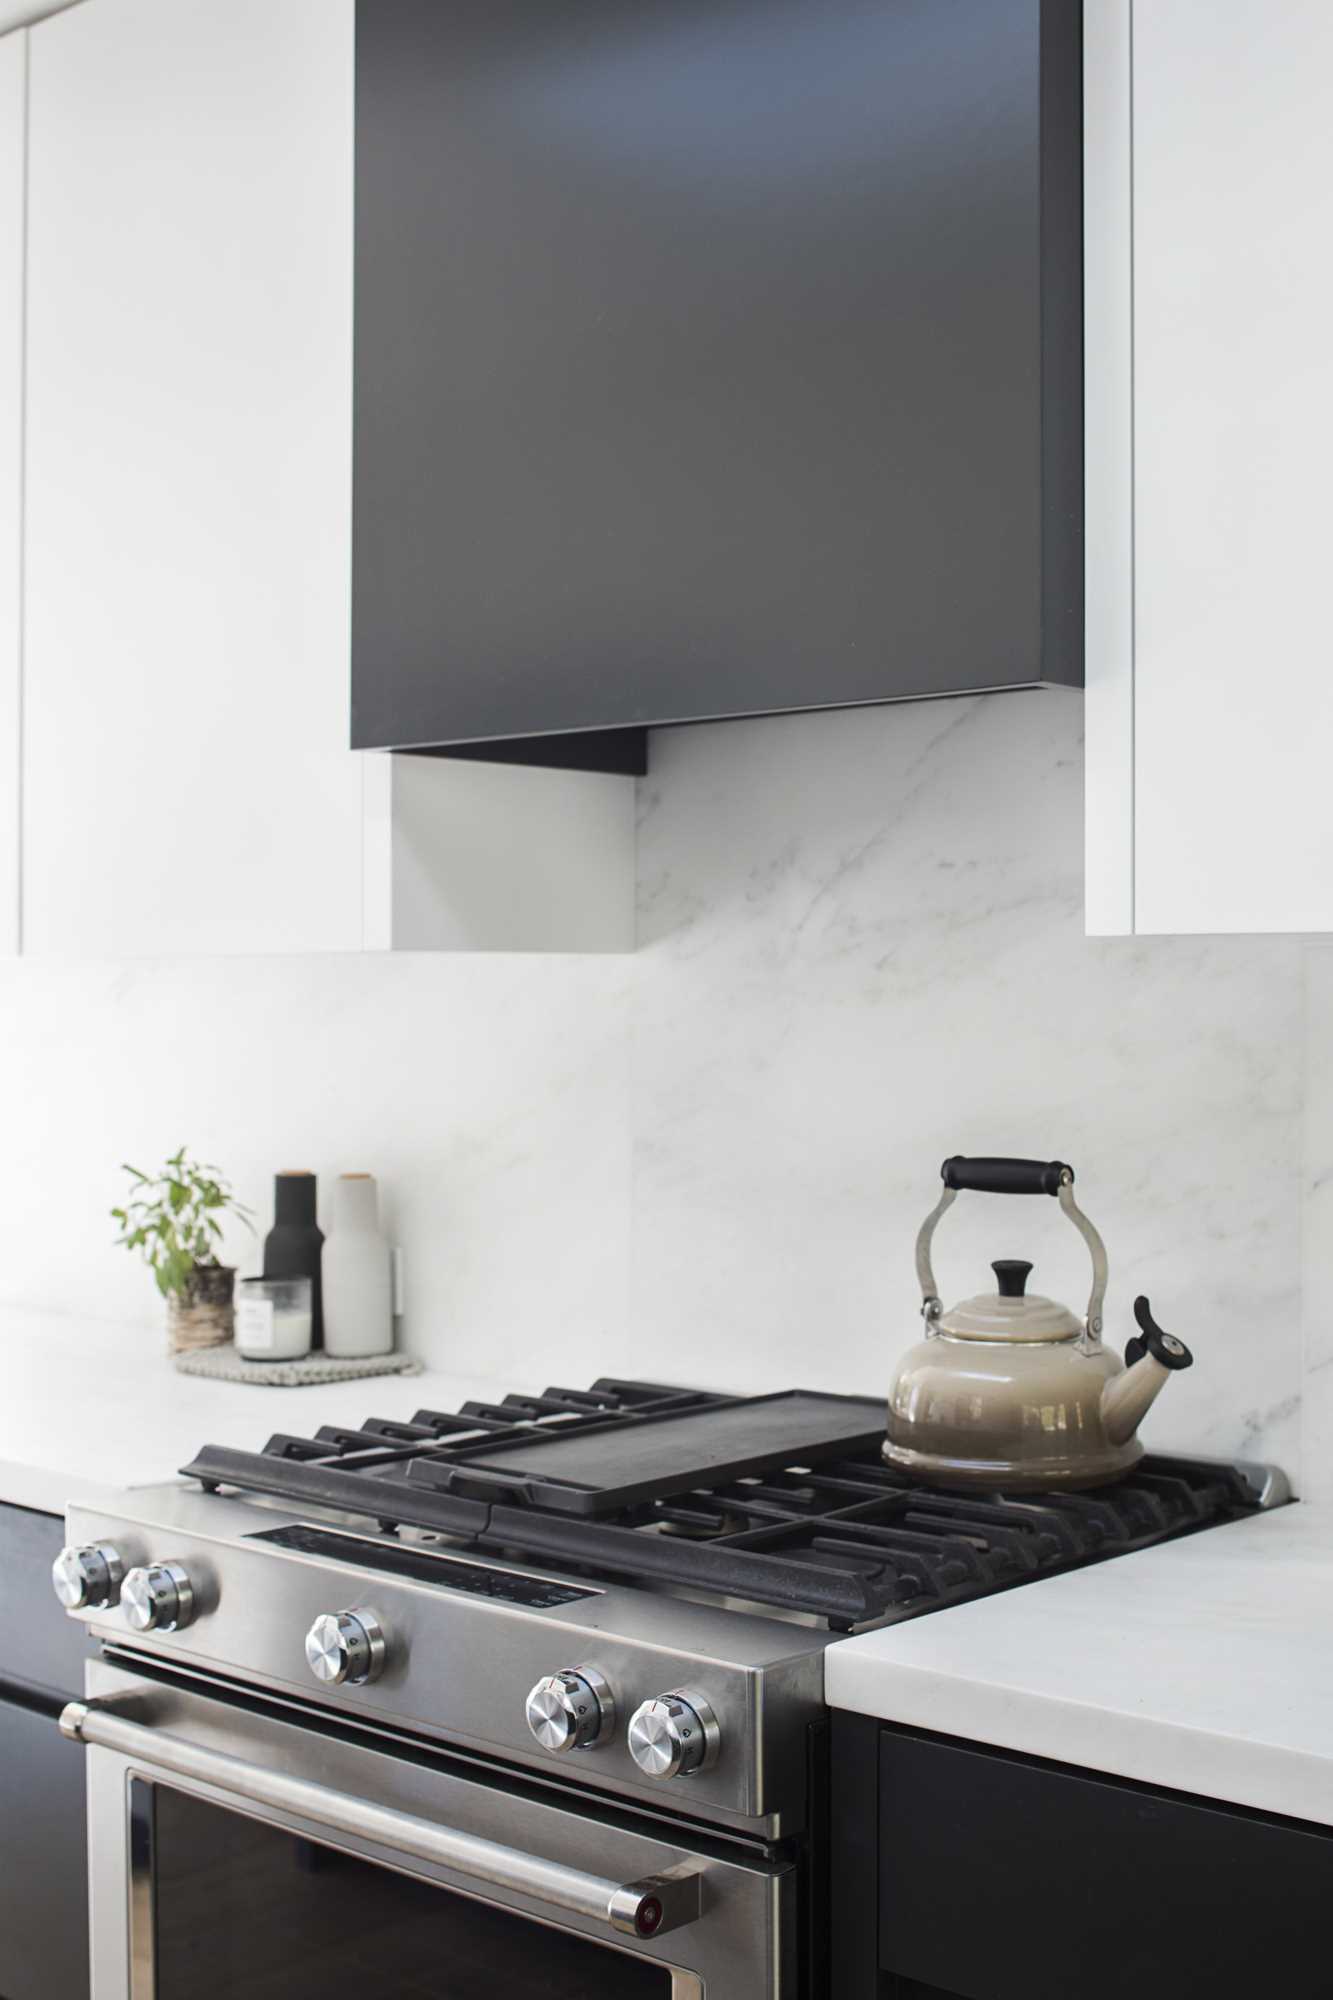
x=358 y=1272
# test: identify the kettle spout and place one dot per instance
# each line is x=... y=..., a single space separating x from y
x=1128 y=1397
x=1152 y=1358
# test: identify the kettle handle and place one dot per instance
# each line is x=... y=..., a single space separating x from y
x=999 y=1176
x=984 y=1176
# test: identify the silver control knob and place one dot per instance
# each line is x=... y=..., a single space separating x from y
x=158 y=1598
x=571 y=1710
x=346 y=1647
x=88 y=1578
x=674 y=1735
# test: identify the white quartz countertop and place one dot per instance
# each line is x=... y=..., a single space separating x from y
x=87 y=1406
x=1202 y=1666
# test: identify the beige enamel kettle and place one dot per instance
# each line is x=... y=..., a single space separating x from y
x=1017 y=1392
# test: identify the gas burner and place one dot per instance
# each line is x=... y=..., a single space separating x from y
x=778 y=1502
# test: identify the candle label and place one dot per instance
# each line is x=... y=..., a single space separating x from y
x=254 y=1323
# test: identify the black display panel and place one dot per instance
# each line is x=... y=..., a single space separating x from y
x=713 y=357
x=537 y=1593
x=245 y=1911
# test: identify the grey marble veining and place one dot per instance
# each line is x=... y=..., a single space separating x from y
x=861 y=948
x=1317 y=1258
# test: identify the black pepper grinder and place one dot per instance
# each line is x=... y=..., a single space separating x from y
x=293 y=1247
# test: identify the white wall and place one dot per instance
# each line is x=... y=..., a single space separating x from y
x=861 y=949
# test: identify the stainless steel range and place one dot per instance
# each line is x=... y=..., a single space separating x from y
x=526 y=1698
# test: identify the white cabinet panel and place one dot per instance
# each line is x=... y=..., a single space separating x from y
x=13 y=86
x=1214 y=718
x=188 y=786
x=1108 y=464
x=464 y=856
x=1233 y=219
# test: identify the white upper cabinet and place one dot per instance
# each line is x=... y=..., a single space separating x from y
x=187 y=781
x=1209 y=220
x=188 y=785
x=13 y=64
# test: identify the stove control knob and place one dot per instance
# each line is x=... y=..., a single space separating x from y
x=158 y=1598
x=674 y=1735
x=571 y=1710
x=88 y=1579
x=346 y=1647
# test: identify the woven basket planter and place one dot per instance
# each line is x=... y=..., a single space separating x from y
x=201 y=1315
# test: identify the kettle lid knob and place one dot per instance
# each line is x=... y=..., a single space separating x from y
x=1011 y=1274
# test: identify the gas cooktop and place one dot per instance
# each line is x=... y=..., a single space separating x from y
x=646 y=1573
x=781 y=1502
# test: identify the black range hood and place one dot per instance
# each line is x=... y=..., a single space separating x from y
x=713 y=358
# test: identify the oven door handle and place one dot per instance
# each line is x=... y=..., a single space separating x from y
x=644 y=1909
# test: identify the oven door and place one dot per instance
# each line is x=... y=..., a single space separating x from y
x=237 y=1848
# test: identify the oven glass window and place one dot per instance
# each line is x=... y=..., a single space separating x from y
x=244 y=1911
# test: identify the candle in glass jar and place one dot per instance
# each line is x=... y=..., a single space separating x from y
x=274 y=1318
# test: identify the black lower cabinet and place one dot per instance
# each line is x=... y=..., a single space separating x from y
x=40 y=1645
x=43 y=1839
x=977 y=1875
x=43 y=1857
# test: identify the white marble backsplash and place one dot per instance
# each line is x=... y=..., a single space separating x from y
x=1317 y=1262
x=487 y=1095
x=861 y=949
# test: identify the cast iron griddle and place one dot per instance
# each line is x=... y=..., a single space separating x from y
x=622 y=1463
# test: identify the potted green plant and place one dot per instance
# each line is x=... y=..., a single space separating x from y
x=174 y=1220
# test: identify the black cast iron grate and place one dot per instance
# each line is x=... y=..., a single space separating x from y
x=844 y=1539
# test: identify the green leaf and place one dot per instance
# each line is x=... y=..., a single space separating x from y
x=173 y=1220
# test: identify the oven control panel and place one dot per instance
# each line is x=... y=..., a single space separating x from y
x=627 y=1690
x=534 y=1593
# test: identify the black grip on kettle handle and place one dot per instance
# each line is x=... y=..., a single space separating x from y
x=1005 y=1176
